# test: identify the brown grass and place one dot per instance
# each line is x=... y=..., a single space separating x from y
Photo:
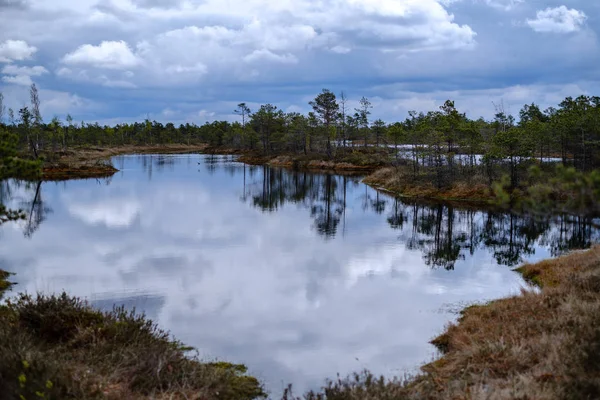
x=542 y=344
x=94 y=162
x=401 y=182
x=58 y=347
x=344 y=160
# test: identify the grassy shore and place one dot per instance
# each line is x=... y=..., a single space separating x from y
x=375 y=163
x=541 y=344
x=94 y=162
x=343 y=160
x=399 y=181
x=57 y=347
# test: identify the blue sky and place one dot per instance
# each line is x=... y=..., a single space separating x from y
x=194 y=60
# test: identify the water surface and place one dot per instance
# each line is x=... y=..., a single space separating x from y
x=300 y=276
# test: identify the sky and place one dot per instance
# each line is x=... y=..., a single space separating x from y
x=115 y=61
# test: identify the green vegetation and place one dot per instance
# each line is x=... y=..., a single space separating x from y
x=538 y=345
x=11 y=166
x=4 y=282
x=57 y=347
x=440 y=153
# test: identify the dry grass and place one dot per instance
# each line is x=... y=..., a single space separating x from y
x=542 y=344
x=93 y=162
x=401 y=182
x=348 y=160
x=60 y=348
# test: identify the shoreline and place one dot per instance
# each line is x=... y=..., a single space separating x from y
x=59 y=347
x=94 y=162
x=541 y=344
x=531 y=345
x=533 y=341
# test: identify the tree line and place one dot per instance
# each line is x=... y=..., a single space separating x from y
x=444 y=143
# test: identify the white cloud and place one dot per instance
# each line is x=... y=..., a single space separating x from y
x=160 y=4
x=109 y=55
x=115 y=83
x=24 y=80
x=206 y=114
x=289 y=33
x=53 y=102
x=268 y=55
x=341 y=49
x=559 y=20
x=198 y=68
x=15 y=50
x=505 y=5
x=29 y=71
x=110 y=213
x=188 y=54
x=115 y=79
x=21 y=75
x=476 y=102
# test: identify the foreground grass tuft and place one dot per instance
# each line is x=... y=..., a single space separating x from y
x=57 y=347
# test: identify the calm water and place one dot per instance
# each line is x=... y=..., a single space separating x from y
x=300 y=276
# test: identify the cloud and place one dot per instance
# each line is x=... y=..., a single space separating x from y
x=30 y=71
x=18 y=4
x=160 y=4
x=558 y=20
x=109 y=55
x=110 y=213
x=206 y=54
x=24 y=80
x=15 y=50
x=268 y=55
x=198 y=68
x=396 y=100
x=114 y=79
x=505 y=5
x=53 y=102
x=21 y=75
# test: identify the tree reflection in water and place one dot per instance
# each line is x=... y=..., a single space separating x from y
x=443 y=233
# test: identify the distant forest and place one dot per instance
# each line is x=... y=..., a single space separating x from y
x=443 y=144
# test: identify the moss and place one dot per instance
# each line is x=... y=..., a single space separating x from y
x=531 y=275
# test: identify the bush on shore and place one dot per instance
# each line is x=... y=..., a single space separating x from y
x=58 y=347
